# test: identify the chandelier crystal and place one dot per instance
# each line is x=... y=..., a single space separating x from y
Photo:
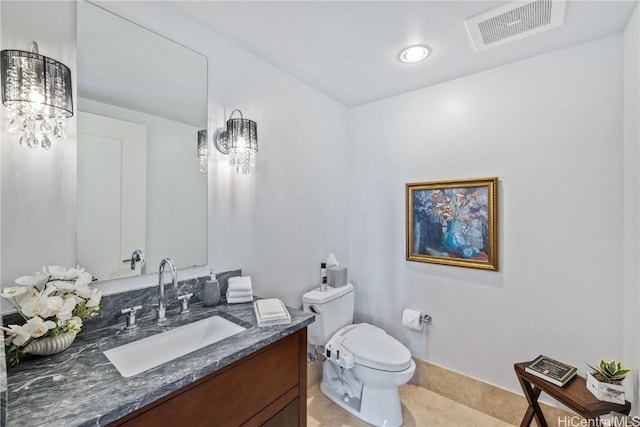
x=37 y=93
x=203 y=151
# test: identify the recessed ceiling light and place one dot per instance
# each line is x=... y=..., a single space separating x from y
x=414 y=53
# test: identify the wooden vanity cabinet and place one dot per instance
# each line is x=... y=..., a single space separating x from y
x=267 y=388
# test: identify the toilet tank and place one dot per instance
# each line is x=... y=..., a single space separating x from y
x=333 y=310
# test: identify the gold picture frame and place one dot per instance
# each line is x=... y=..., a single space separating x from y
x=453 y=222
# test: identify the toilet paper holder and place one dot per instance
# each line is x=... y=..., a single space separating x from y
x=415 y=319
x=425 y=319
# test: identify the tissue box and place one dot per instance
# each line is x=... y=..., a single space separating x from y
x=337 y=276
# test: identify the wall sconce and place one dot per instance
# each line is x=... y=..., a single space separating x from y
x=37 y=92
x=240 y=141
x=203 y=151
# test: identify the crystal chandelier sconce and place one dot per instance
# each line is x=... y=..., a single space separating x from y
x=203 y=151
x=37 y=93
x=239 y=141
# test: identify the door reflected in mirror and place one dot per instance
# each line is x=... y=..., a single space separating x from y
x=142 y=100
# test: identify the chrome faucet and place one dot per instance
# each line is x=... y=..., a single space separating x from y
x=174 y=280
x=137 y=255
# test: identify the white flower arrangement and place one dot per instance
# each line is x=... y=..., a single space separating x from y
x=51 y=303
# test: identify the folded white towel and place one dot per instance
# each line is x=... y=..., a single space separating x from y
x=240 y=283
x=237 y=300
x=237 y=294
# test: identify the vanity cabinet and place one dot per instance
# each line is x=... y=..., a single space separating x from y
x=265 y=388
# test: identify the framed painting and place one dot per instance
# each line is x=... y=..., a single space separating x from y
x=453 y=222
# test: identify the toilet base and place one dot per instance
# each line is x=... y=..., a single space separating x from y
x=377 y=406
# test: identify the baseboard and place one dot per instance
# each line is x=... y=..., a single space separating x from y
x=490 y=399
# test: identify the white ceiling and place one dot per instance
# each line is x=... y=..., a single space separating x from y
x=349 y=49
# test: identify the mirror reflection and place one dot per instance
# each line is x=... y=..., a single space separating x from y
x=141 y=101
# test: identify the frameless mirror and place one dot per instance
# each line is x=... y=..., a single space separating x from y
x=141 y=101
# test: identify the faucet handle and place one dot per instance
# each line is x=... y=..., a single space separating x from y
x=184 y=300
x=131 y=316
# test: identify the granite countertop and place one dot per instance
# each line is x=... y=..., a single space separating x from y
x=80 y=387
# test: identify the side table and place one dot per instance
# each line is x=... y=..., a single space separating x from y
x=574 y=395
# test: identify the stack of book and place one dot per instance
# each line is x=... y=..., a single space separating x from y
x=555 y=372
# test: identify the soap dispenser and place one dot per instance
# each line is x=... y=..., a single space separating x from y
x=211 y=292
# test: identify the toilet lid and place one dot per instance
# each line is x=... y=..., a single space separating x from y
x=374 y=348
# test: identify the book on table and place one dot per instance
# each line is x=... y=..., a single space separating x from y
x=551 y=370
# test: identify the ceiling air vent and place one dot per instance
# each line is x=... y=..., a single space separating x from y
x=514 y=21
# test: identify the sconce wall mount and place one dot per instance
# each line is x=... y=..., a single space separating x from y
x=240 y=141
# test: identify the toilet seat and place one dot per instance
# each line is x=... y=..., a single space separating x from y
x=373 y=347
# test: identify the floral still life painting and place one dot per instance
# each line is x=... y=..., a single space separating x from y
x=453 y=223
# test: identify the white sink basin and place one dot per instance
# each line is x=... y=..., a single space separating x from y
x=147 y=353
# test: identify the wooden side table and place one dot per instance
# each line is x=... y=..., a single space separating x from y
x=574 y=395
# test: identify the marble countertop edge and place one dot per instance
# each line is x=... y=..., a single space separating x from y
x=80 y=387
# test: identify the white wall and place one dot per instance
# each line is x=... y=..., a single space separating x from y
x=550 y=127
x=278 y=223
x=631 y=205
x=38 y=187
x=282 y=220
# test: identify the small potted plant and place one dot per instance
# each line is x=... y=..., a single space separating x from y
x=605 y=382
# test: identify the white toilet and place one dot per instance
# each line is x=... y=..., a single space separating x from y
x=364 y=365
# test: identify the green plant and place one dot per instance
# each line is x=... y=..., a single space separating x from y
x=611 y=372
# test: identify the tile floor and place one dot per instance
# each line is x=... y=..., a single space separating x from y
x=420 y=408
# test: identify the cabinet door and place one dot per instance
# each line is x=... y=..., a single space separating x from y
x=287 y=417
x=233 y=396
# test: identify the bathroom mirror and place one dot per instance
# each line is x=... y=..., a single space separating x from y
x=141 y=101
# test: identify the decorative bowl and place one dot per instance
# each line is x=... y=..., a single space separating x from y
x=50 y=345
